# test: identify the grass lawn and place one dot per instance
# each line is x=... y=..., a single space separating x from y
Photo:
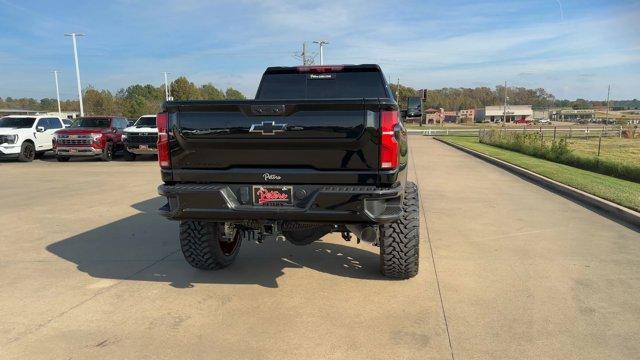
x=622 y=192
x=613 y=149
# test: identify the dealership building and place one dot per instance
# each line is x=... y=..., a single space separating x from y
x=508 y=114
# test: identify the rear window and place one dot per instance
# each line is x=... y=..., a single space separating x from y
x=335 y=85
x=414 y=103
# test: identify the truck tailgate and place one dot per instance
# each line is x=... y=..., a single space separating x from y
x=294 y=136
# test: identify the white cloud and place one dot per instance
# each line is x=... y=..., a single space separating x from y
x=425 y=43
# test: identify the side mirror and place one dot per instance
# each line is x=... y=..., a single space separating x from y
x=40 y=129
x=114 y=130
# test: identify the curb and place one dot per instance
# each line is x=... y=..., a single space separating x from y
x=609 y=208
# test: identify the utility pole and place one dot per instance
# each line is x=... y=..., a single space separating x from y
x=75 y=56
x=398 y=92
x=304 y=53
x=606 y=120
x=306 y=58
x=504 y=112
x=55 y=75
x=321 y=43
x=166 y=86
x=608 y=93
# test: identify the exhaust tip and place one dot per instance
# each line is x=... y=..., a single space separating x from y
x=368 y=233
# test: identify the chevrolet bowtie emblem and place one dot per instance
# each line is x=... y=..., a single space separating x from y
x=268 y=128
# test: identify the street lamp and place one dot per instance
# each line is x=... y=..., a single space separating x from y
x=55 y=75
x=75 y=56
x=321 y=43
x=166 y=86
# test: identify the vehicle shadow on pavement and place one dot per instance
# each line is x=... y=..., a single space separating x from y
x=51 y=157
x=144 y=247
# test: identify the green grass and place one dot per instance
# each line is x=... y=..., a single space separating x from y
x=622 y=192
x=612 y=149
x=581 y=155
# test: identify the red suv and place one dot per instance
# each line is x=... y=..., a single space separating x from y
x=90 y=136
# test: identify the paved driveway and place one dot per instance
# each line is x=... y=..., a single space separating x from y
x=88 y=270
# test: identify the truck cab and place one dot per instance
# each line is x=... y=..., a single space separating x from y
x=24 y=137
x=414 y=108
x=91 y=136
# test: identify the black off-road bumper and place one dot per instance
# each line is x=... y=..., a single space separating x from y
x=335 y=204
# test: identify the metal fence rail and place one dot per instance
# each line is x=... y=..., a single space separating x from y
x=556 y=132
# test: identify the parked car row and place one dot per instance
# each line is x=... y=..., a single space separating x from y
x=26 y=137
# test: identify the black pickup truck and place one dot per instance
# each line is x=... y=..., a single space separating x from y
x=321 y=149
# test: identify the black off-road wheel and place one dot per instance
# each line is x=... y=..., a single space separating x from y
x=400 y=240
x=107 y=153
x=205 y=244
x=129 y=156
x=61 y=158
x=27 y=152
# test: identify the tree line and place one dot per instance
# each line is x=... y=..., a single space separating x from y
x=471 y=98
x=138 y=99
x=132 y=102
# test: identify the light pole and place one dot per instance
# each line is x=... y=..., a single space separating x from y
x=166 y=86
x=504 y=112
x=75 y=56
x=55 y=75
x=321 y=43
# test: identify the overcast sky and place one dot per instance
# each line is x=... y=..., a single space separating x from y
x=572 y=48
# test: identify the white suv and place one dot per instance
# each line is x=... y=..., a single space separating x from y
x=26 y=136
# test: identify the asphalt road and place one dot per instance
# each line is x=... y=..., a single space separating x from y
x=508 y=270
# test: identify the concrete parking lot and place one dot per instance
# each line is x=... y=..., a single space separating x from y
x=508 y=271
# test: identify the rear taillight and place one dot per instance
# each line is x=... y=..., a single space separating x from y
x=162 y=123
x=389 y=144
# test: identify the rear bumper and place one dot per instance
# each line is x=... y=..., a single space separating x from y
x=77 y=151
x=335 y=204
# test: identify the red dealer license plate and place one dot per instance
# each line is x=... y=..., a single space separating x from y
x=273 y=195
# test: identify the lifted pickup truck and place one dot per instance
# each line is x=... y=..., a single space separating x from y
x=321 y=149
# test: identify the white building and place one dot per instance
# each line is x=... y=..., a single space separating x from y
x=513 y=113
x=63 y=115
x=573 y=115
